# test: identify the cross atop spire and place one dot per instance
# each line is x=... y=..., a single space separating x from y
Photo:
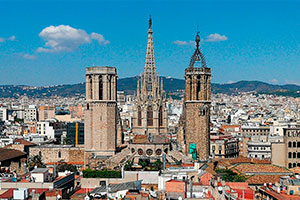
x=197 y=56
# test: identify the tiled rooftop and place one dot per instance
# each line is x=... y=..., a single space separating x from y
x=261 y=179
x=260 y=169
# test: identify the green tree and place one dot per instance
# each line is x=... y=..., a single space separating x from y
x=230 y=176
x=157 y=165
x=128 y=165
x=66 y=167
x=67 y=141
x=36 y=160
x=89 y=173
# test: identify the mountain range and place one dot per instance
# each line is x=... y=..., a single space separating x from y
x=128 y=85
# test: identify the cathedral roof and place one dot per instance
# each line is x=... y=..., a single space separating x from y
x=155 y=139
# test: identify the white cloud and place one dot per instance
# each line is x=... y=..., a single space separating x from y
x=292 y=82
x=215 y=37
x=65 y=38
x=274 y=80
x=99 y=38
x=28 y=56
x=11 y=38
x=183 y=43
x=230 y=82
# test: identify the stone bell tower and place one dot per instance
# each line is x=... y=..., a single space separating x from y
x=100 y=126
x=197 y=106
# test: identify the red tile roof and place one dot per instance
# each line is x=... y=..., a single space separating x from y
x=280 y=196
x=260 y=168
x=69 y=163
x=8 y=154
x=24 y=142
x=156 y=139
x=261 y=179
x=8 y=194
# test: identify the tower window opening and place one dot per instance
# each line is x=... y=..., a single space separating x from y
x=198 y=87
x=100 y=88
x=91 y=87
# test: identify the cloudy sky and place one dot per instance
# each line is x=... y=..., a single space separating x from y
x=51 y=42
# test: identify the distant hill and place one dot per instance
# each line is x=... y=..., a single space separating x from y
x=249 y=86
x=129 y=86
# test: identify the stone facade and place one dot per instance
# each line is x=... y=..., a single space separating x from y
x=150 y=110
x=55 y=153
x=196 y=111
x=291 y=151
x=224 y=146
x=101 y=112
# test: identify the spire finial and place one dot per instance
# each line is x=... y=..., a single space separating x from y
x=150 y=22
x=197 y=40
x=197 y=56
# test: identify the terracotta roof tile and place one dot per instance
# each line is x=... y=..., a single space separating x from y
x=8 y=154
x=24 y=142
x=261 y=179
x=260 y=168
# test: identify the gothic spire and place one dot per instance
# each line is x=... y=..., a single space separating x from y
x=150 y=69
x=197 y=56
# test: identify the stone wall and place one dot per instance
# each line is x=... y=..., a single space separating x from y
x=58 y=153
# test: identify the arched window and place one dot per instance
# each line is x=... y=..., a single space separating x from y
x=59 y=154
x=298 y=144
x=91 y=87
x=294 y=155
x=294 y=165
x=290 y=165
x=290 y=155
x=298 y=155
x=149 y=116
x=139 y=116
x=290 y=144
x=198 y=87
x=294 y=144
x=160 y=116
x=100 y=88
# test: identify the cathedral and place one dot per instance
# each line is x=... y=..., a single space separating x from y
x=150 y=111
x=103 y=128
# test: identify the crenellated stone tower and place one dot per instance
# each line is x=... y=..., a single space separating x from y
x=150 y=110
x=101 y=115
x=196 y=133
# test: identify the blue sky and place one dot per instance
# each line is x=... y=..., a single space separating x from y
x=51 y=42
